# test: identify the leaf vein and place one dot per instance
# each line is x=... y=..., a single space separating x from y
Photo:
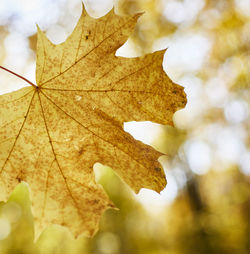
x=85 y=54
x=18 y=135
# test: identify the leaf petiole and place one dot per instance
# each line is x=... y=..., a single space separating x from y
x=19 y=76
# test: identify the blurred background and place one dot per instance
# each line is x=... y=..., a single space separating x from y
x=205 y=207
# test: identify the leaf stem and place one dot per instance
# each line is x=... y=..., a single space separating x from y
x=19 y=76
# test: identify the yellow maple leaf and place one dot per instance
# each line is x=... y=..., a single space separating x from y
x=52 y=133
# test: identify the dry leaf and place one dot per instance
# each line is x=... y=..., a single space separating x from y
x=51 y=135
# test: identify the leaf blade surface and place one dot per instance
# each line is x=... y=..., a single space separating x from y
x=51 y=136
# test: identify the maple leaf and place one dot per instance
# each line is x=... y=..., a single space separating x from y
x=52 y=133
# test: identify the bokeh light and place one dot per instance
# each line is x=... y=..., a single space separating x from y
x=5 y=228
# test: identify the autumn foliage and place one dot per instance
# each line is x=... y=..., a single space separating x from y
x=205 y=206
x=54 y=132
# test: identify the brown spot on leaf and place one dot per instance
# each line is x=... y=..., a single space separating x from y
x=157 y=169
